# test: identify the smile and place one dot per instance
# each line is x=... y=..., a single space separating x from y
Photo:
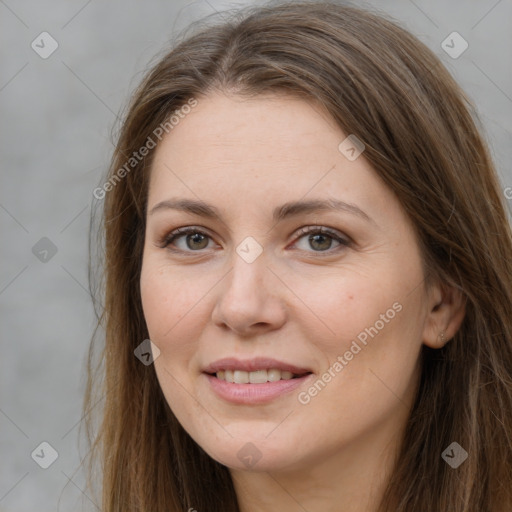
x=256 y=377
x=254 y=381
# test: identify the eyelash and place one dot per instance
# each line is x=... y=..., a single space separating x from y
x=168 y=239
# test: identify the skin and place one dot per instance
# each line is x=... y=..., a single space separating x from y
x=300 y=302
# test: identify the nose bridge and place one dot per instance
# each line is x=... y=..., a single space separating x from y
x=246 y=280
x=248 y=296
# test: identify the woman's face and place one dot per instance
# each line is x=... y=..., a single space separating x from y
x=254 y=292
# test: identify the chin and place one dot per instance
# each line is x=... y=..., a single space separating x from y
x=255 y=455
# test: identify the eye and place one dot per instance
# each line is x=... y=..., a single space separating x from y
x=194 y=238
x=320 y=238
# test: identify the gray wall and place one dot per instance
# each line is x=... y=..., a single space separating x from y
x=56 y=117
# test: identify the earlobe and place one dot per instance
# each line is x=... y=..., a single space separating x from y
x=445 y=316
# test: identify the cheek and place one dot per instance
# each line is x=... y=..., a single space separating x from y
x=370 y=364
x=172 y=310
x=373 y=357
x=173 y=325
x=341 y=307
x=370 y=317
x=170 y=301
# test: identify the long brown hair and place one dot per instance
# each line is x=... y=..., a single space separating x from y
x=420 y=131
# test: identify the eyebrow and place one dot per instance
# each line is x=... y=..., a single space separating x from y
x=290 y=209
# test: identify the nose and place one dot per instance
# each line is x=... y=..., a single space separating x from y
x=251 y=299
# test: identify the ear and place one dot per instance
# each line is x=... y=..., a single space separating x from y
x=446 y=310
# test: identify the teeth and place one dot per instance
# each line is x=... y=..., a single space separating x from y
x=256 y=377
x=273 y=375
x=241 y=377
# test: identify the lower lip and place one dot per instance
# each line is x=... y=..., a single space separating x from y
x=254 y=393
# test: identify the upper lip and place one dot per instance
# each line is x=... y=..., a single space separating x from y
x=252 y=365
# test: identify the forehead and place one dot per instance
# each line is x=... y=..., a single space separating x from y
x=261 y=134
x=270 y=149
x=246 y=127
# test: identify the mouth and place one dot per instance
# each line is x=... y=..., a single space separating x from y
x=254 y=381
x=257 y=376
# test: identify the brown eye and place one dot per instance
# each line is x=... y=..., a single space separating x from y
x=320 y=239
x=195 y=240
x=320 y=242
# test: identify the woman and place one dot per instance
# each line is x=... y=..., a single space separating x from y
x=341 y=338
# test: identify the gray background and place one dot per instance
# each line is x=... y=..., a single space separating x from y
x=56 y=119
